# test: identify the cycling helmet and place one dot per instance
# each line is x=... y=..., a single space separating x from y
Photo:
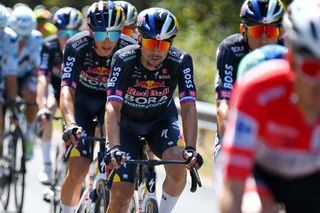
x=302 y=26
x=255 y=12
x=22 y=20
x=105 y=16
x=130 y=12
x=4 y=15
x=157 y=23
x=67 y=18
x=42 y=14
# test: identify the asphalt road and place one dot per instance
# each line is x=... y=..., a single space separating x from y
x=202 y=201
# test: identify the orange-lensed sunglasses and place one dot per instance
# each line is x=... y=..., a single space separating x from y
x=152 y=43
x=257 y=31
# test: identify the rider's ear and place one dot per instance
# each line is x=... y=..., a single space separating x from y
x=242 y=28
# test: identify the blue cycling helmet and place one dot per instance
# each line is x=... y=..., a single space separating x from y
x=257 y=12
x=105 y=16
x=67 y=18
x=157 y=23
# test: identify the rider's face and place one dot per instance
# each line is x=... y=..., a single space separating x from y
x=261 y=35
x=105 y=42
x=153 y=52
x=307 y=85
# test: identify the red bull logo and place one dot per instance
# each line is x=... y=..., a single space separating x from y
x=99 y=70
x=149 y=84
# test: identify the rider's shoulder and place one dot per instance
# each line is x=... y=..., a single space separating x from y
x=80 y=41
x=128 y=53
x=9 y=33
x=126 y=41
x=177 y=55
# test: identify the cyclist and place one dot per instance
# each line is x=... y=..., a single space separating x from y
x=259 y=55
x=131 y=14
x=261 y=20
x=67 y=20
x=8 y=63
x=273 y=129
x=23 y=22
x=86 y=64
x=139 y=103
x=44 y=24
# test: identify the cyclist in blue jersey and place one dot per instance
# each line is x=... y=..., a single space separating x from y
x=139 y=103
x=259 y=55
x=23 y=22
x=85 y=72
x=8 y=63
x=67 y=20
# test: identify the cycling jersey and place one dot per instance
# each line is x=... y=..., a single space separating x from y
x=8 y=53
x=29 y=55
x=229 y=53
x=268 y=129
x=83 y=69
x=147 y=95
x=51 y=59
x=268 y=52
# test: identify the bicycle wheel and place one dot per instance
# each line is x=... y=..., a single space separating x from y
x=19 y=169
x=103 y=196
x=151 y=206
x=8 y=151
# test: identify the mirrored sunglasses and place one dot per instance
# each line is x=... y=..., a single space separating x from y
x=67 y=33
x=257 y=31
x=112 y=36
x=152 y=43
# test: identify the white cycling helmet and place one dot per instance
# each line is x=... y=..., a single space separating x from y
x=302 y=27
x=130 y=12
x=23 y=20
x=4 y=15
x=67 y=18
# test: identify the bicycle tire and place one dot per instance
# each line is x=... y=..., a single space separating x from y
x=151 y=206
x=19 y=169
x=7 y=153
x=103 y=197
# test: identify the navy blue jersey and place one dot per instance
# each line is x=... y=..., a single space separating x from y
x=229 y=54
x=83 y=69
x=147 y=95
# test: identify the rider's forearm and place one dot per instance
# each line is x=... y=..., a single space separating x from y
x=112 y=118
x=42 y=91
x=11 y=87
x=67 y=104
x=222 y=115
x=189 y=123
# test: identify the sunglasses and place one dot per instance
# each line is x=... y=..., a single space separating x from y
x=127 y=31
x=310 y=68
x=151 y=44
x=112 y=36
x=257 y=31
x=67 y=33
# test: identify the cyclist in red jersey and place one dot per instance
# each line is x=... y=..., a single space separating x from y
x=273 y=132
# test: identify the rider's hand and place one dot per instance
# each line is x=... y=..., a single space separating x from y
x=71 y=134
x=193 y=158
x=43 y=117
x=115 y=156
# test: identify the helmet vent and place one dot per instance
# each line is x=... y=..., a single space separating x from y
x=314 y=31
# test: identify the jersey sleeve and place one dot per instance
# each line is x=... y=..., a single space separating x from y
x=187 y=88
x=117 y=80
x=36 y=49
x=45 y=64
x=225 y=76
x=10 y=59
x=241 y=136
x=70 y=68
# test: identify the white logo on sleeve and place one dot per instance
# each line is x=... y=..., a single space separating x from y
x=164 y=133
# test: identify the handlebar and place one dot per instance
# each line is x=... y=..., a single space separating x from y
x=69 y=148
x=195 y=178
